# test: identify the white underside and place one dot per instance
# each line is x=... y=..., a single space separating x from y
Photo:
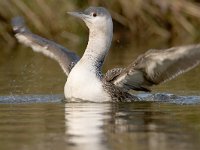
x=82 y=83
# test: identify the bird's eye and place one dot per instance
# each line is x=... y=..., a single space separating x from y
x=94 y=14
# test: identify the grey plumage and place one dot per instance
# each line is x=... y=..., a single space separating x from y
x=157 y=66
x=63 y=56
x=118 y=94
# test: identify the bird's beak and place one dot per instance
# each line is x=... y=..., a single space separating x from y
x=77 y=14
x=80 y=15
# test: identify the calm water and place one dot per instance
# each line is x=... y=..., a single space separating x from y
x=33 y=116
x=83 y=126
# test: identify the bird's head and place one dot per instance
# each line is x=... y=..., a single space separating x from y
x=96 y=18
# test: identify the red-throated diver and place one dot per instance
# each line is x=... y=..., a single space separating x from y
x=85 y=79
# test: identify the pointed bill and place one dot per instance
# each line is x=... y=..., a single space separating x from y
x=76 y=14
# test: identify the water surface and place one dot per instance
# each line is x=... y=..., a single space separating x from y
x=83 y=126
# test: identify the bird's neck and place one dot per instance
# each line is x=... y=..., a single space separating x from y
x=97 y=47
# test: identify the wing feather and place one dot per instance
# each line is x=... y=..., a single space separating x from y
x=157 y=66
x=63 y=56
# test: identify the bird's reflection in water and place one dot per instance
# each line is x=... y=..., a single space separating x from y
x=84 y=124
x=137 y=125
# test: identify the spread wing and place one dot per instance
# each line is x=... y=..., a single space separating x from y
x=156 y=66
x=63 y=56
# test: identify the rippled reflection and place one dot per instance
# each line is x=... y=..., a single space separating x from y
x=153 y=126
x=84 y=125
x=130 y=125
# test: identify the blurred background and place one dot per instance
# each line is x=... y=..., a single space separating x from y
x=138 y=26
x=170 y=20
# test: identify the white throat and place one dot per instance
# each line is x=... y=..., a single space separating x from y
x=98 y=45
x=84 y=81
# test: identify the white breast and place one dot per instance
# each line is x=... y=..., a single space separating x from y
x=82 y=83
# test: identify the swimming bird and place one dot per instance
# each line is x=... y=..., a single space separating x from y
x=85 y=79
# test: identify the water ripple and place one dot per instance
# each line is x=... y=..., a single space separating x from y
x=170 y=98
x=18 y=99
x=158 y=97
